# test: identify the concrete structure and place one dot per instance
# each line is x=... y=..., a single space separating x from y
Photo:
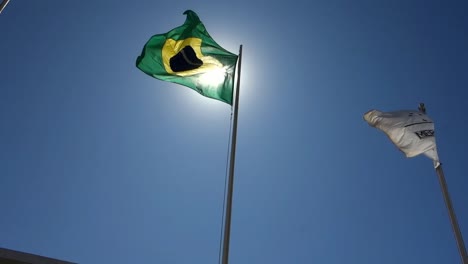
x=8 y=256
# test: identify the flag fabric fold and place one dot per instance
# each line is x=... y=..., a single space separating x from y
x=411 y=131
x=187 y=55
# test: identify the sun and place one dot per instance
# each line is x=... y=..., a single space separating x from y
x=213 y=78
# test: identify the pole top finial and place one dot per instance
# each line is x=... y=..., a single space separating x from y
x=422 y=108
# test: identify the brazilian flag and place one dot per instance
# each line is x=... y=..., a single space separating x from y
x=187 y=55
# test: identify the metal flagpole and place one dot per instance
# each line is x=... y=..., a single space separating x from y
x=448 y=203
x=453 y=218
x=227 y=223
x=3 y=4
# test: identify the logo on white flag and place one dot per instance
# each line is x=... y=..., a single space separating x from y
x=424 y=133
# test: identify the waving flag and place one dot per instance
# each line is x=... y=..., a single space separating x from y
x=411 y=131
x=187 y=55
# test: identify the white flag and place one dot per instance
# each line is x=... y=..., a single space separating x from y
x=411 y=131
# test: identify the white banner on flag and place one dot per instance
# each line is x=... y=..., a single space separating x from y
x=411 y=131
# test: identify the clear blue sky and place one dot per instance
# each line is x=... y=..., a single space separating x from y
x=99 y=163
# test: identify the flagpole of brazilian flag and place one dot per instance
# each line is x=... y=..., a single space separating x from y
x=189 y=56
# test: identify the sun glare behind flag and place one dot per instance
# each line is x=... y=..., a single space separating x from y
x=411 y=131
x=187 y=55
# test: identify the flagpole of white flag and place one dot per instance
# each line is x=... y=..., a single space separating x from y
x=452 y=216
x=451 y=211
x=230 y=187
x=413 y=133
x=3 y=5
